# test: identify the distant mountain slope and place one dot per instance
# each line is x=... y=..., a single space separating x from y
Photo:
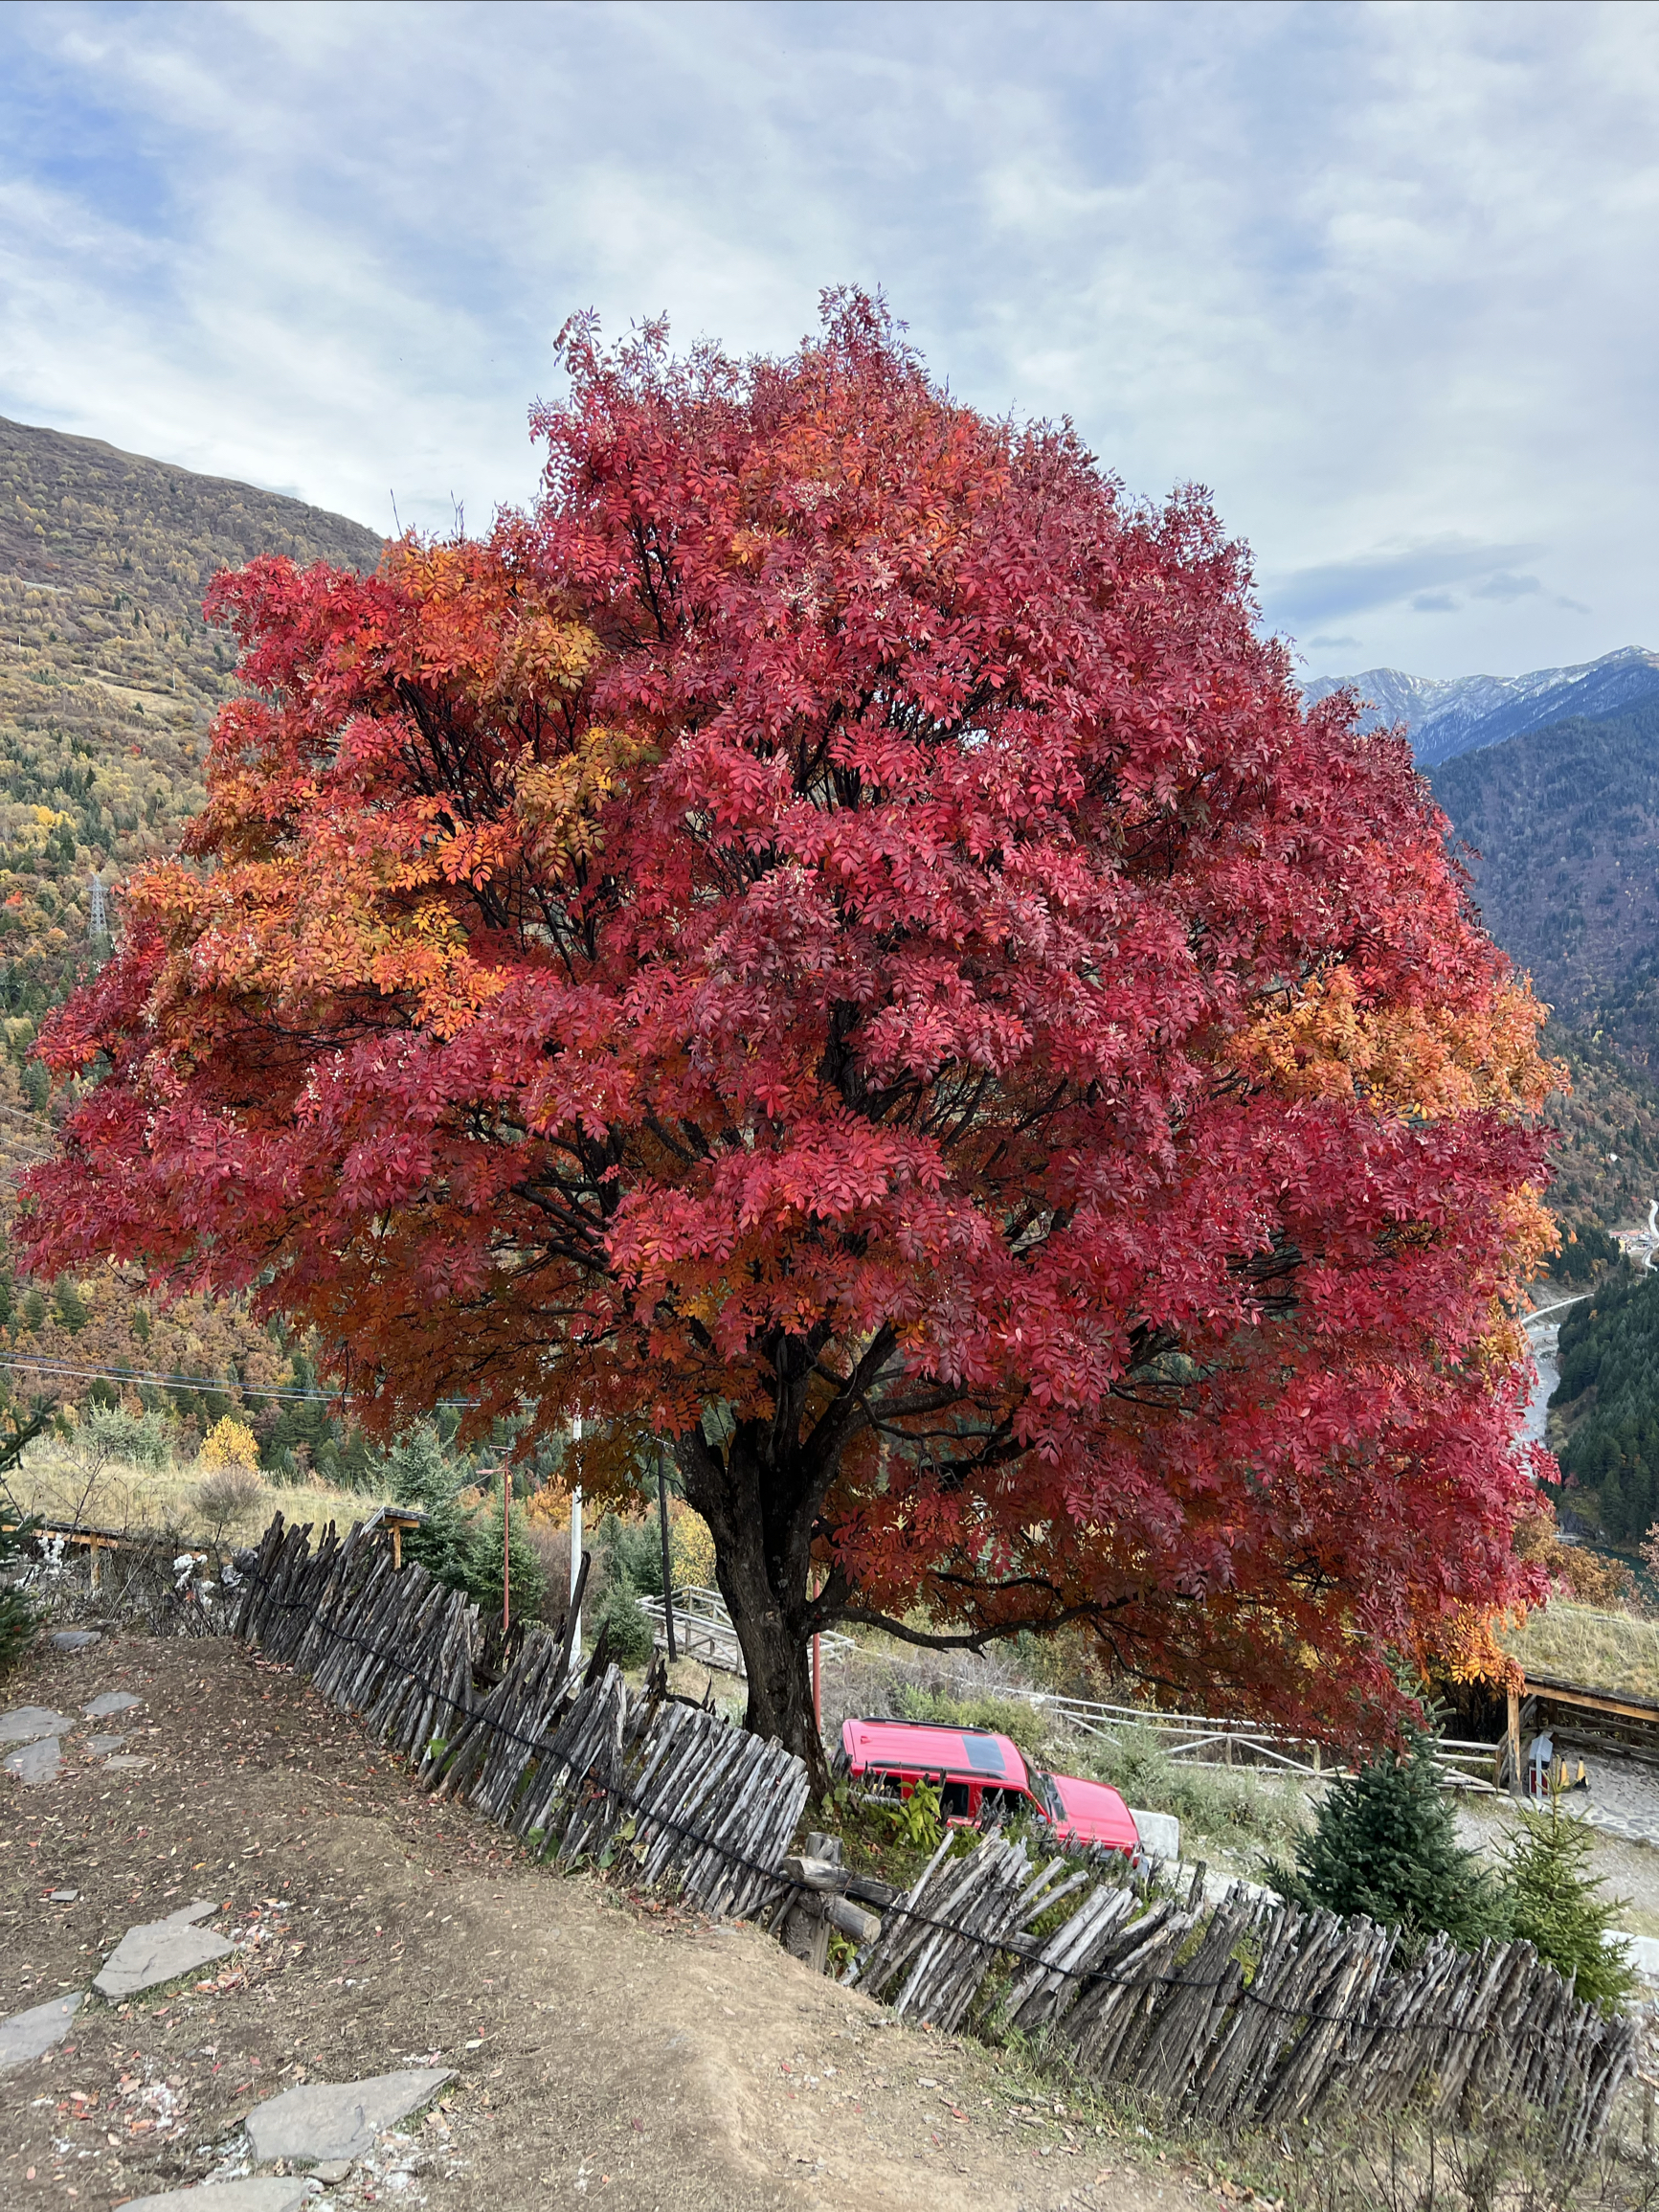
x=1454 y=716
x=1565 y=821
x=109 y=679
x=1606 y=1157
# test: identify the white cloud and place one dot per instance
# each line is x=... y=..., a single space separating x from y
x=1367 y=272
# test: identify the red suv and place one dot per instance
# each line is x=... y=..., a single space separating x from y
x=983 y=1779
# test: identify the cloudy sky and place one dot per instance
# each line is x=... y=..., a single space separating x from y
x=1380 y=275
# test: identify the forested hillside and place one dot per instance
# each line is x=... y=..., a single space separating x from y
x=1564 y=823
x=109 y=679
x=1607 y=1407
x=1606 y=1158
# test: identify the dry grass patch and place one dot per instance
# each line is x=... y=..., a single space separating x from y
x=67 y=1482
x=1580 y=1643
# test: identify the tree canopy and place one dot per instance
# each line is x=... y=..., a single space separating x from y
x=833 y=941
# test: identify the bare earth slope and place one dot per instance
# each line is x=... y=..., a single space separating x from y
x=608 y=2050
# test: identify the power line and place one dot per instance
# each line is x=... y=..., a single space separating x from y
x=180 y=1382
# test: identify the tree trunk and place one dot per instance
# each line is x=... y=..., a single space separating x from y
x=761 y=1521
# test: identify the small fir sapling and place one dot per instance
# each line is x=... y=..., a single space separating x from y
x=1557 y=1903
x=1384 y=1843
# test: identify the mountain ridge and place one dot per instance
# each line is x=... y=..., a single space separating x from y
x=108 y=681
x=1447 y=717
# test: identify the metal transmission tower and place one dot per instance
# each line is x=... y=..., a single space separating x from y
x=98 y=925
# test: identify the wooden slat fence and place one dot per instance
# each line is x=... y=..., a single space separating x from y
x=1251 y=2012
x=1248 y=2012
x=571 y=1763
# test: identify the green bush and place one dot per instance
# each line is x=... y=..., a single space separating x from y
x=141 y=1439
x=1554 y=1901
x=1239 y=1810
x=1384 y=1843
x=630 y=1625
x=17 y=1614
x=1010 y=1717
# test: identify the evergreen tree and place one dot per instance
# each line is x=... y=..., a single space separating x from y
x=419 y=1473
x=620 y=1612
x=1384 y=1843
x=17 y=1613
x=482 y=1567
x=1555 y=1902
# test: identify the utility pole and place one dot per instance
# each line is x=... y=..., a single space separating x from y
x=507 y=1546
x=98 y=925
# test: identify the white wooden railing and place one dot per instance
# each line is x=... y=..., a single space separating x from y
x=702 y=1630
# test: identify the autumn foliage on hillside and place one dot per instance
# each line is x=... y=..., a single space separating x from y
x=834 y=942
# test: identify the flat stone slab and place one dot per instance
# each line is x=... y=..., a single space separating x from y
x=328 y=2120
x=31 y=2035
x=160 y=1950
x=110 y=1702
x=100 y=1746
x=253 y=2192
x=76 y=1639
x=35 y=1763
x=24 y=1724
x=126 y=1759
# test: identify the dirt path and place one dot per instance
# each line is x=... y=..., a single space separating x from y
x=608 y=2051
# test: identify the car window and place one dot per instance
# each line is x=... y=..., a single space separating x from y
x=954 y=1801
x=1003 y=1805
x=1047 y=1796
x=984 y=1756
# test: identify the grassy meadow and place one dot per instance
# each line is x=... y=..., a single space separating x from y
x=72 y=1481
x=1584 y=1644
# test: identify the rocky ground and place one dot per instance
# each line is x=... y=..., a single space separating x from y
x=603 y=2049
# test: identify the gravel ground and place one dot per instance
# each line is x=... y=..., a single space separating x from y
x=1626 y=1788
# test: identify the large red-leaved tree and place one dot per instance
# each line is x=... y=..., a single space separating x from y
x=833 y=941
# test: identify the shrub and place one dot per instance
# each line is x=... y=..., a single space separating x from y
x=229 y=1443
x=1241 y=1810
x=630 y=1625
x=1003 y=1716
x=18 y=1615
x=141 y=1439
x=227 y=1497
x=1553 y=1903
x=1384 y=1843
